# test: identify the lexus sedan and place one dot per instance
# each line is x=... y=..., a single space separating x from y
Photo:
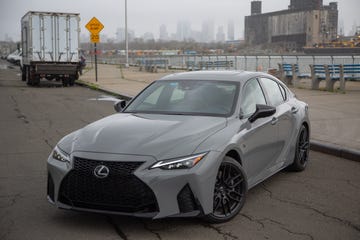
x=190 y=144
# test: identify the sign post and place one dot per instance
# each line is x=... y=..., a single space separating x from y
x=95 y=26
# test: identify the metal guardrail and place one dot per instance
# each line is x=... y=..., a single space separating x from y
x=245 y=62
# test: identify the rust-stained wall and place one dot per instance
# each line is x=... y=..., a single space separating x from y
x=300 y=27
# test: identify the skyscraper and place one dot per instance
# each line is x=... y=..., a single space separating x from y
x=148 y=36
x=208 y=31
x=230 y=31
x=220 y=35
x=120 y=34
x=164 y=36
x=183 y=31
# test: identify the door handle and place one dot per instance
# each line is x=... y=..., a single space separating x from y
x=274 y=120
x=294 y=110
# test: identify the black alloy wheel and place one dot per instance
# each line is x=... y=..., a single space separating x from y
x=230 y=191
x=302 y=150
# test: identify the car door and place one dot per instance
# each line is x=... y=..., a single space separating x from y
x=284 y=118
x=258 y=137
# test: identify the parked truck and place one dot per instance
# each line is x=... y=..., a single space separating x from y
x=50 y=45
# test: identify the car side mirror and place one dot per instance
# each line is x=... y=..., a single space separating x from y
x=120 y=105
x=262 y=111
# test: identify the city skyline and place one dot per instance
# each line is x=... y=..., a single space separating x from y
x=210 y=32
x=147 y=16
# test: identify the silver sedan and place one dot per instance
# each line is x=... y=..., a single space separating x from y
x=190 y=144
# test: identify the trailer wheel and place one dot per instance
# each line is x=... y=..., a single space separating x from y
x=65 y=82
x=49 y=77
x=36 y=80
x=71 y=81
x=29 y=80
x=23 y=73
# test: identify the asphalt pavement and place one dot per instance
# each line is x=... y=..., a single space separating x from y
x=320 y=203
x=335 y=116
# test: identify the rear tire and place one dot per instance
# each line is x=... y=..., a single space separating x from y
x=29 y=80
x=36 y=80
x=23 y=73
x=229 y=193
x=65 y=82
x=72 y=81
x=302 y=151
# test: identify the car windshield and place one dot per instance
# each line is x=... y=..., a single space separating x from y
x=187 y=97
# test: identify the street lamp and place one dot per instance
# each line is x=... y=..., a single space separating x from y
x=126 y=38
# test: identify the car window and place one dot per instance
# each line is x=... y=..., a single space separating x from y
x=187 y=97
x=283 y=92
x=252 y=95
x=154 y=96
x=177 y=95
x=273 y=90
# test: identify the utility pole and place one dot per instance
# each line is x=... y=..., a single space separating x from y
x=126 y=37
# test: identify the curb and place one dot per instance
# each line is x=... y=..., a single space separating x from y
x=318 y=146
x=98 y=88
x=335 y=150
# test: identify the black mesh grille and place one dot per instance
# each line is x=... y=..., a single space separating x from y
x=186 y=200
x=50 y=188
x=120 y=191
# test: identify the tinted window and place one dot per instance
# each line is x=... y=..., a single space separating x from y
x=154 y=96
x=187 y=97
x=252 y=95
x=273 y=90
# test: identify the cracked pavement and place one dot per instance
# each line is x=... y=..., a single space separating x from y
x=320 y=203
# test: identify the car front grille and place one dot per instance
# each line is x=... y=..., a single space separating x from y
x=120 y=191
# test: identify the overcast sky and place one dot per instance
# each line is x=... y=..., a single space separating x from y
x=148 y=15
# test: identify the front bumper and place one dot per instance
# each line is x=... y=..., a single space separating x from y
x=135 y=190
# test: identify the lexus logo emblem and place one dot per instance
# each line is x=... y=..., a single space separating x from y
x=101 y=171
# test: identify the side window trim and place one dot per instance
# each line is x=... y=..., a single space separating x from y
x=263 y=91
x=283 y=92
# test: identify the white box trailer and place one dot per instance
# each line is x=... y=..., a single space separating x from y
x=50 y=45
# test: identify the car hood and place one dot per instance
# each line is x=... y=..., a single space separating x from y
x=160 y=136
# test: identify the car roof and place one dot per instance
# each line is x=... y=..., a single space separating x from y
x=236 y=76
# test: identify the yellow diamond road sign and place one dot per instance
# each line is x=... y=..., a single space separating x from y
x=94 y=26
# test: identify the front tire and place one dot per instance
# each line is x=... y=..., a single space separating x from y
x=302 y=150
x=229 y=193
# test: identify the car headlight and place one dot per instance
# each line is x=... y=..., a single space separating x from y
x=60 y=155
x=180 y=163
